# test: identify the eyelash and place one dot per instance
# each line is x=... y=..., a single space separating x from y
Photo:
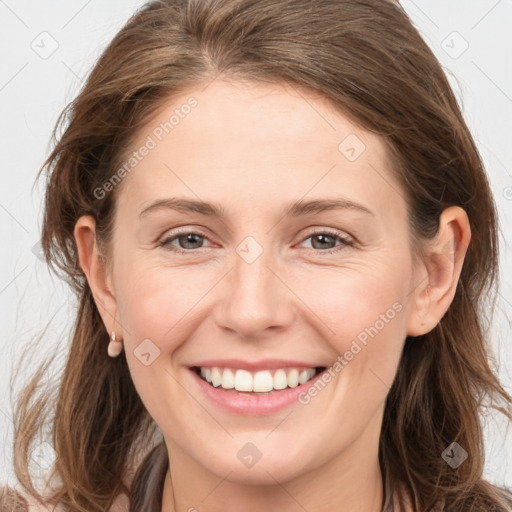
x=345 y=242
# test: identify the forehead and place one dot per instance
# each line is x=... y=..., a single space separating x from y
x=260 y=142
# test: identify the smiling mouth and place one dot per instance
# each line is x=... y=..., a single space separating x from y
x=264 y=381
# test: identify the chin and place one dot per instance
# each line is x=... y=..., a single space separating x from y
x=247 y=469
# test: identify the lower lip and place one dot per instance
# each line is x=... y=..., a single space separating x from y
x=252 y=404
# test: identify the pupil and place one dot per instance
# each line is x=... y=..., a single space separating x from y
x=323 y=240
x=189 y=238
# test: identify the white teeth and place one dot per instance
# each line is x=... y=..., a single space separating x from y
x=259 y=382
x=304 y=376
x=280 y=381
x=216 y=377
x=207 y=374
x=293 y=378
x=263 y=382
x=243 y=380
x=228 y=379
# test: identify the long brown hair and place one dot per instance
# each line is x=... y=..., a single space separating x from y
x=368 y=60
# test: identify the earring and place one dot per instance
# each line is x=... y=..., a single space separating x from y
x=114 y=347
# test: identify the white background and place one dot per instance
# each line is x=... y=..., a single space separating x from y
x=35 y=87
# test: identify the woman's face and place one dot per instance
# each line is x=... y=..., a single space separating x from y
x=268 y=280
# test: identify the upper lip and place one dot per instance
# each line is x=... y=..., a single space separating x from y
x=262 y=364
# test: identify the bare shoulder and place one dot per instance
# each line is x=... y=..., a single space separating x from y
x=12 y=500
x=36 y=506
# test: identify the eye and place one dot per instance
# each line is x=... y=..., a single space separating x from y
x=323 y=241
x=187 y=240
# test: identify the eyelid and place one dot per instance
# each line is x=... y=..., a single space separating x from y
x=166 y=239
x=346 y=240
x=329 y=231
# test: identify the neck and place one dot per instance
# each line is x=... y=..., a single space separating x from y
x=351 y=480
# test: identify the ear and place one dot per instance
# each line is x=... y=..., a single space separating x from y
x=438 y=273
x=94 y=269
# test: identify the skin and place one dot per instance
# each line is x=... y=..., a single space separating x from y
x=254 y=149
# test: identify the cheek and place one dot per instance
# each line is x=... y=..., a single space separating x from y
x=349 y=302
x=156 y=307
x=159 y=302
x=155 y=301
x=365 y=311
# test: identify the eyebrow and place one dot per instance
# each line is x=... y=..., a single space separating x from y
x=296 y=209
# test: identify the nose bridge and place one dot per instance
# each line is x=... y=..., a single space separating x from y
x=255 y=298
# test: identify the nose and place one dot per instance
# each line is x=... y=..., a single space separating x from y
x=256 y=302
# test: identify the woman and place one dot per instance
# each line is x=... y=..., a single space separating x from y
x=322 y=346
